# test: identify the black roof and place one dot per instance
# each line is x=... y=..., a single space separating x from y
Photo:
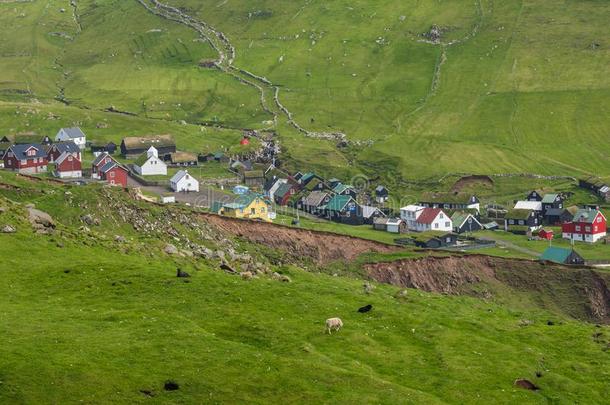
x=69 y=146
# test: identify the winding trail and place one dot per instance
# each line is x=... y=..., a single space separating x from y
x=226 y=58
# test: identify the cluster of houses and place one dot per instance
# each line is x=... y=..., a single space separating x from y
x=529 y=216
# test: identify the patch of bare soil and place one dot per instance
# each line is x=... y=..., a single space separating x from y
x=582 y=293
x=474 y=180
x=322 y=247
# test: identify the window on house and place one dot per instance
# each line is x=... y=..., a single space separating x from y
x=588 y=228
x=23 y=161
x=253 y=211
x=511 y=221
x=111 y=174
x=521 y=222
x=262 y=209
x=599 y=220
x=436 y=225
x=447 y=224
x=577 y=228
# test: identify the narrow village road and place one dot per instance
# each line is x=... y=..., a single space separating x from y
x=512 y=246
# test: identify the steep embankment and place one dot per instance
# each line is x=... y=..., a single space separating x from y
x=322 y=247
x=579 y=292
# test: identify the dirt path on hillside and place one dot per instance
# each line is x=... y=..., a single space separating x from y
x=226 y=58
x=321 y=247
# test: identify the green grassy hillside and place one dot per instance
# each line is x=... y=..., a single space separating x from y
x=113 y=323
x=508 y=86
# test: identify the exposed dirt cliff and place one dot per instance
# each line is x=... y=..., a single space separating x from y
x=582 y=293
x=322 y=247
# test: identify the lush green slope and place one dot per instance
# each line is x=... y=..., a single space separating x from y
x=510 y=86
x=113 y=321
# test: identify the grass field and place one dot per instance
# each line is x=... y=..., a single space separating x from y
x=516 y=86
x=109 y=324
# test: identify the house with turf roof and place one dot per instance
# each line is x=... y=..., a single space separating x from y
x=435 y=240
x=314 y=200
x=284 y=193
x=557 y=216
x=248 y=206
x=391 y=225
x=450 y=201
x=344 y=209
x=182 y=159
x=562 y=256
x=596 y=185
x=253 y=178
x=588 y=225
x=149 y=164
x=465 y=222
x=74 y=134
x=521 y=221
x=134 y=146
x=109 y=148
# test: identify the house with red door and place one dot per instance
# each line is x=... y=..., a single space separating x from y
x=68 y=166
x=588 y=225
x=27 y=159
x=101 y=160
x=56 y=150
x=114 y=174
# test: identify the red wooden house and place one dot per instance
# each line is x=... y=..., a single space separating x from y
x=100 y=161
x=68 y=166
x=547 y=234
x=588 y=225
x=114 y=174
x=56 y=150
x=28 y=158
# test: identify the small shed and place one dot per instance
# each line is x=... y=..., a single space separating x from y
x=562 y=256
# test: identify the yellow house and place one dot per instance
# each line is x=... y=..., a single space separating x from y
x=250 y=206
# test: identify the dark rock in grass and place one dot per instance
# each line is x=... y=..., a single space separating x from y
x=550 y=323
x=182 y=274
x=66 y=271
x=365 y=309
x=148 y=393
x=171 y=385
x=526 y=384
x=538 y=374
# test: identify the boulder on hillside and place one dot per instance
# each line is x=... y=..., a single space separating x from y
x=170 y=249
x=8 y=229
x=41 y=221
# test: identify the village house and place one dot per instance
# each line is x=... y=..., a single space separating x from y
x=272 y=185
x=249 y=206
x=529 y=205
x=551 y=201
x=114 y=174
x=182 y=181
x=465 y=222
x=75 y=135
x=450 y=201
x=521 y=221
x=57 y=149
x=68 y=166
x=588 y=225
x=344 y=189
x=534 y=196
x=183 y=159
x=109 y=148
x=557 y=216
x=369 y=214
x=100 y=161
x=381 y=194
x=433 y=219
x=547 y=234
x=435 y=240
x=253 y=178
x=596 y=185
x=344 y=209
x=149 y=164
x=314 y=201
x=391 y=225
x=409 y=214
x=562 y=256
x=26 y=158
x=133 y=147
x=46 y=141
x=284 y=193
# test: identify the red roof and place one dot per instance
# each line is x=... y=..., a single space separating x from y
x=245 y=141
x=428 y=215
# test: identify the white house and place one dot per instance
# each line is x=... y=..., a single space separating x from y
x=409 y=214
x=529 y=205
x=149 y=164
x=183 y=181
x=274 y=186
x=75 y=135
x=433 y=219
x=395 y=225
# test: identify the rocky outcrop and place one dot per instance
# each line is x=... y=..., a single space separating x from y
x=41 y=221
